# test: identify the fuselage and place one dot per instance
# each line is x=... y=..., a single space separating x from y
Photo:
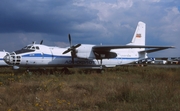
x=42 y=56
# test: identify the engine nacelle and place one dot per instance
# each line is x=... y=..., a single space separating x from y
x=85 y=52
x=105 y=55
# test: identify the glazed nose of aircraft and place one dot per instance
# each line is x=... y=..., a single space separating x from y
x=12 y=59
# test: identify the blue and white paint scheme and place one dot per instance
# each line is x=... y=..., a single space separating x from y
x=84 y=55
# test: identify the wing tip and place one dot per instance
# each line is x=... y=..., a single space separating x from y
x=173 y=47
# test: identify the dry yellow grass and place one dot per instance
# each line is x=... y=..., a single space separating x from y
x=135 y=89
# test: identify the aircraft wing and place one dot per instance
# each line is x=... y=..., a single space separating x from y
x=108 y=48
x=104 y=51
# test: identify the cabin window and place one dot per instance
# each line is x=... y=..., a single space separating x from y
x=37 y=47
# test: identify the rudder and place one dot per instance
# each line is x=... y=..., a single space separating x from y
x=139 y=35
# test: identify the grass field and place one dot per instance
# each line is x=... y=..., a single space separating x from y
x=117 y=89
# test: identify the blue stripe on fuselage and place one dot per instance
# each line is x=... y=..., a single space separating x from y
x=125 y=58
x=44 y=55
x=37 y=55
x=49 y=55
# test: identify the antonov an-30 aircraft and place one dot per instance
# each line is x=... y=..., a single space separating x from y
x=84 y=55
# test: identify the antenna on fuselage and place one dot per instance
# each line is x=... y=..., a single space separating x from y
x=33 y=42
x=41 y=42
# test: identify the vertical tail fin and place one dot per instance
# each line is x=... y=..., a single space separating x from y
x=139 y=35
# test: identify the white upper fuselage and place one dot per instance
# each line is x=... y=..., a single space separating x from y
x=42 y=55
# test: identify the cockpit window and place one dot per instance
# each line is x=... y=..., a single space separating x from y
x=28 y=47
x=25 y=47
x=33 y=47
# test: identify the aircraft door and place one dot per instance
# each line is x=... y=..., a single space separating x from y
x=46 y=58
x=42 y=57
x=52 y=57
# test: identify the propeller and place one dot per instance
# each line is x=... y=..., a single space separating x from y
x=71 y=49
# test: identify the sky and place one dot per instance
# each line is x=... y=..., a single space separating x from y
x=108 y=22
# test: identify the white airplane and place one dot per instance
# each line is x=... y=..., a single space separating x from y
x=84 y=55
x=174 y=60
x=2 y=62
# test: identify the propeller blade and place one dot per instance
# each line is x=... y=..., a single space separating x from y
x=77 y=45
x=66 y=51
x=70 y=40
